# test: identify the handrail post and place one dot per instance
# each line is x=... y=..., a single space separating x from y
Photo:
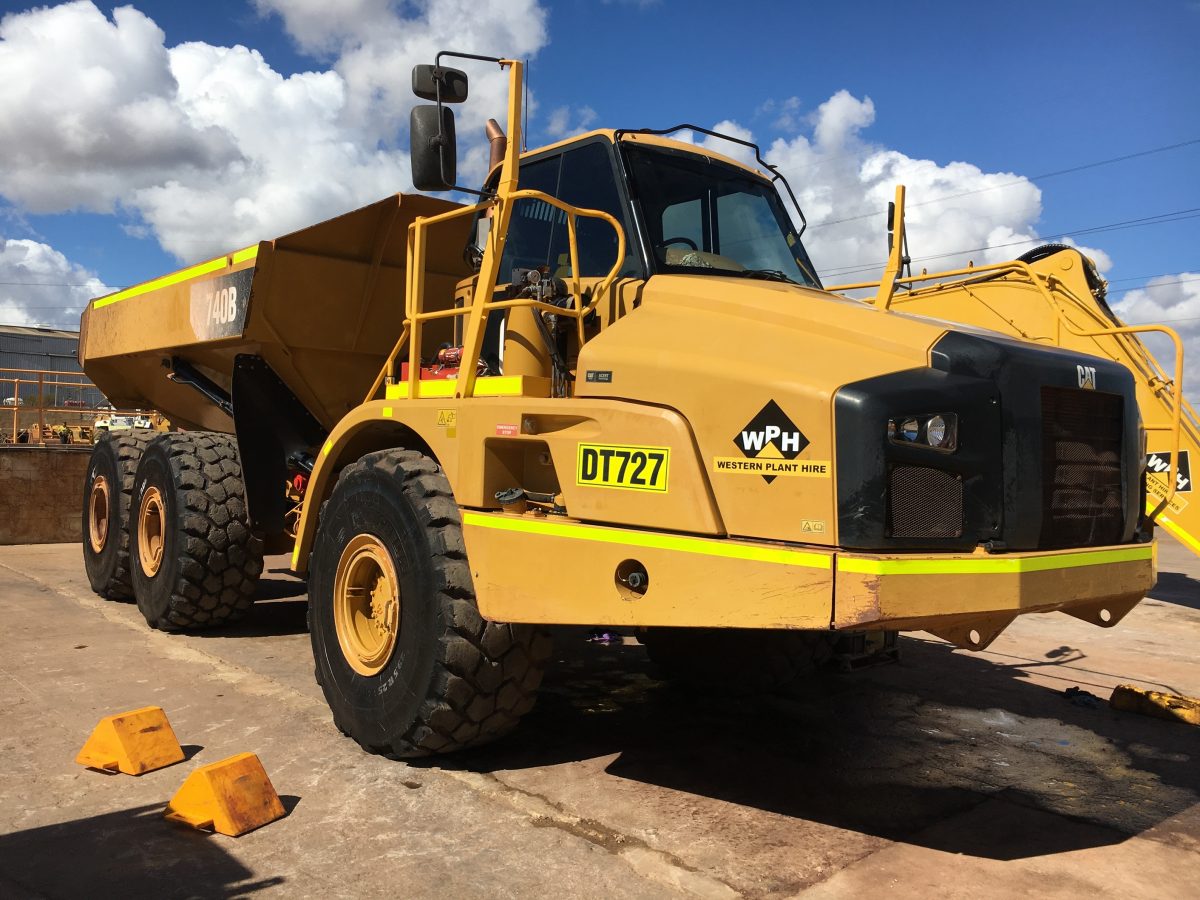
x=887 y=285
x=41 y=408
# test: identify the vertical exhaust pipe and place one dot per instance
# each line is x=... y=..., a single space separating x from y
x=498 y=141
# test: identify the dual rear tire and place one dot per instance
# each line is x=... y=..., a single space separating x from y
x=106 y=499
x=176 y=535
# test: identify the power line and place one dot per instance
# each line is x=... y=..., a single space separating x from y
x=53 y=284
x=1162 y=218
x=1031 y=178
x=1185 y=271
x=1144 y=287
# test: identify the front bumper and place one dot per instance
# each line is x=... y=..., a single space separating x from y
x=970 y=598
x=555 y=571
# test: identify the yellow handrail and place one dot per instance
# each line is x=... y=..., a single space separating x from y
x=415 y=314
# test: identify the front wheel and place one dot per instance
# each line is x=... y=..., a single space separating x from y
x=406 y=663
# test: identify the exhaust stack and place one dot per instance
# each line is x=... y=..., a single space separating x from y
x=498 y=141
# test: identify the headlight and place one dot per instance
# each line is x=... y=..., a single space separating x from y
x=938 y=431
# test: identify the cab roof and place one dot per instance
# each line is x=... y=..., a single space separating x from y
x=655 y=140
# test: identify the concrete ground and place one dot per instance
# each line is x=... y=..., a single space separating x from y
x=948 y=774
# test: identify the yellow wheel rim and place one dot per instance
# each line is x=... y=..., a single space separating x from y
x=366 y=604
x=152 y=529
x=98 y=507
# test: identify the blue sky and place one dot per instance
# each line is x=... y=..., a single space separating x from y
x=1014 y=90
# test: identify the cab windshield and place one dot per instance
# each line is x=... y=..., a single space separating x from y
x=706 y=217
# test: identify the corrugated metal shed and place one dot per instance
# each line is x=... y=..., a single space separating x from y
x=38 y=348
x=48 y=349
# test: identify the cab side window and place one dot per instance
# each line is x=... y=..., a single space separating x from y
x=537 y=234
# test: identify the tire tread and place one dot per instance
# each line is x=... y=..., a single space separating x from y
x=486 y=674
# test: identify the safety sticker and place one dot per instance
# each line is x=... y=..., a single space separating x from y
x=770 y=443
x=447 y=418
x=623 y=466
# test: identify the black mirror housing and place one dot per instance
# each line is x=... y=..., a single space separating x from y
x=432 y=148
x=453 y=82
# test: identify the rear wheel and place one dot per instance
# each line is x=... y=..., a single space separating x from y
x=736 y=660
x=195 y=560
x=106 y=494
x=406 y=663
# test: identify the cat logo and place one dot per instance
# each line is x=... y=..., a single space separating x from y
x=1087 y=377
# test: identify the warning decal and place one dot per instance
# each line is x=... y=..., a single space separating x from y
x=770 y=443
x=622 y=466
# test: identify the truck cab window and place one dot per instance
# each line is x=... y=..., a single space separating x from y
x=537 y=234
x=704 y=216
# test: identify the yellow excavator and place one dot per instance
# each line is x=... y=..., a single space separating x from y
x=614 y=392
x=1053 y=295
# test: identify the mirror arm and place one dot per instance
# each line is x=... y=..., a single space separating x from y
x=437 y=86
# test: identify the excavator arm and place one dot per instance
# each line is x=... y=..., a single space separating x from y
x=1053 y=295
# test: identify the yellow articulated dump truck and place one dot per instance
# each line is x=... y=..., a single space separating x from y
x=612 y=392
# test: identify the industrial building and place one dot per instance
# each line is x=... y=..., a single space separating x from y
x=46 y=350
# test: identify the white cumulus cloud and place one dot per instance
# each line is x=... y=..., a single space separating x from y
x=1171 y=300
x=212 y=148
x=40 y=286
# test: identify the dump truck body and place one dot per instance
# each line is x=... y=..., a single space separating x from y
x=322 y=307
x=613 y=392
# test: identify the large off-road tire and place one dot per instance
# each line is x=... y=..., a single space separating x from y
x=106 y=493
x=736 y=660
x=407 y=664
x=194 y=558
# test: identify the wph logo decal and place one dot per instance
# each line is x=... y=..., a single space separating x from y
x=1160 y=464
x=769 y=436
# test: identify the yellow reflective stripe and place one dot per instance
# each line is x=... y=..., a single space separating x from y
x=240 y=256
x=992 y=565
x=1182 y=536
x=204 y=268
x=678 y=543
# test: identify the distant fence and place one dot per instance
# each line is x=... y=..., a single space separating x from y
x=41 y=406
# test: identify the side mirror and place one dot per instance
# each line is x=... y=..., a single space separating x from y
x=432 y=148
x=427 y=79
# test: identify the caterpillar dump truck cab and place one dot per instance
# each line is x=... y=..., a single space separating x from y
x=612 y=392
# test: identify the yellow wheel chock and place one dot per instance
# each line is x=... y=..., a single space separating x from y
x=133 y=742
x=231 y=797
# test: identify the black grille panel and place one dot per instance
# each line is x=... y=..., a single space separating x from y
x=924 y=503
x=1083 y=496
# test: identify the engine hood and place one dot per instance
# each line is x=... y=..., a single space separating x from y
x=740 y=359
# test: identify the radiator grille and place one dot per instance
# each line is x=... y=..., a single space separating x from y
x=924 y=503
x=1083 y=497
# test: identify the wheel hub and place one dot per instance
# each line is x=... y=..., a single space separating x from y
x=98 y=506
x=366 y=604
x=152 y=530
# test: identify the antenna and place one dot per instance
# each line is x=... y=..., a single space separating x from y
x=525 y=106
